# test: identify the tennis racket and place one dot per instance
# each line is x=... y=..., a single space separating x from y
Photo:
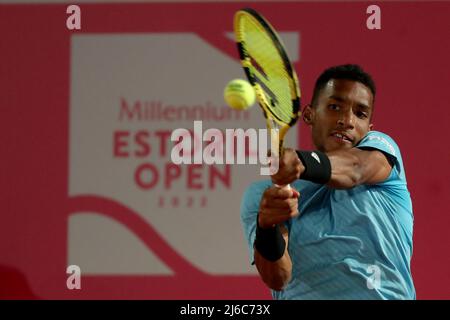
x=269 y=70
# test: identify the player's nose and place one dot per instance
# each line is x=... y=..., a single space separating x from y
x=347 y=120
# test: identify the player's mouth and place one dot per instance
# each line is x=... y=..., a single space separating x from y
x=342 y=137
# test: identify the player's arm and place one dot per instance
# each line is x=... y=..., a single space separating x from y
x=272 y=259
x=341 y=169
x=275 y=274
x=354 y=166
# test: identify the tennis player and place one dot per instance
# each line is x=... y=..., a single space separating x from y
x=344 y=229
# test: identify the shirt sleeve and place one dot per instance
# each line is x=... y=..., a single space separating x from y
x=384 y=143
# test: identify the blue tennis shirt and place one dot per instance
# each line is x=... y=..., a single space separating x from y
x=347 y=244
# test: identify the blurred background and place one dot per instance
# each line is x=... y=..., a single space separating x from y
x=86 y=115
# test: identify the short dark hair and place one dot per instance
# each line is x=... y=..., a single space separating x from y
x=346 y=71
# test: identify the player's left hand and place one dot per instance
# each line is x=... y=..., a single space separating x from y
x=290 y=168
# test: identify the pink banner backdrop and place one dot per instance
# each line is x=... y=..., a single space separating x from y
x=86 y=177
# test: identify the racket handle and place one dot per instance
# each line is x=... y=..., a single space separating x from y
x=286 y=186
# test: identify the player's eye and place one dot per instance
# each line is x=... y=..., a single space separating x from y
x=361 y=114
x=334 y=107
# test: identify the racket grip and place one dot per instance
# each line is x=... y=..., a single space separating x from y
x=286 y=186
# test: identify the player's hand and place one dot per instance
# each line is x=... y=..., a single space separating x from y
x=277 y=205
x=290 y=168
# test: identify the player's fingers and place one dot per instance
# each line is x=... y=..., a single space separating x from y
x=283 y=193
x=277 y=193
x=281 y=206
x=288 y=193
x=271 y=216
x=274 y=216
x=275 y=203
x=293 y=206
x=290 y=157
x=294 y=213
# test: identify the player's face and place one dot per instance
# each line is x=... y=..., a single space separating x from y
x=342 y=115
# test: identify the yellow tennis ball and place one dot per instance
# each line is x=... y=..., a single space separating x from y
x=239 y=94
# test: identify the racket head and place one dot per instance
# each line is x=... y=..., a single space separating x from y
x=269 y=70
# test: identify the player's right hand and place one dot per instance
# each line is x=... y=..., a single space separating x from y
x=290 y=168
x=277 y=205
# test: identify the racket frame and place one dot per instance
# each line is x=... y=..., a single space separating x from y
x=272 y=120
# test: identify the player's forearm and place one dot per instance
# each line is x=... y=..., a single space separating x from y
x=353 y=167
x=276 y=275
x=340 y=169
x=346 y=169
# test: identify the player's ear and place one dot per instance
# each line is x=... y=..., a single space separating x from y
x=371 y=127
x=308 y=114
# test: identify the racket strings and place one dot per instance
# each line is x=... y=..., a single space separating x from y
x=268 y=68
